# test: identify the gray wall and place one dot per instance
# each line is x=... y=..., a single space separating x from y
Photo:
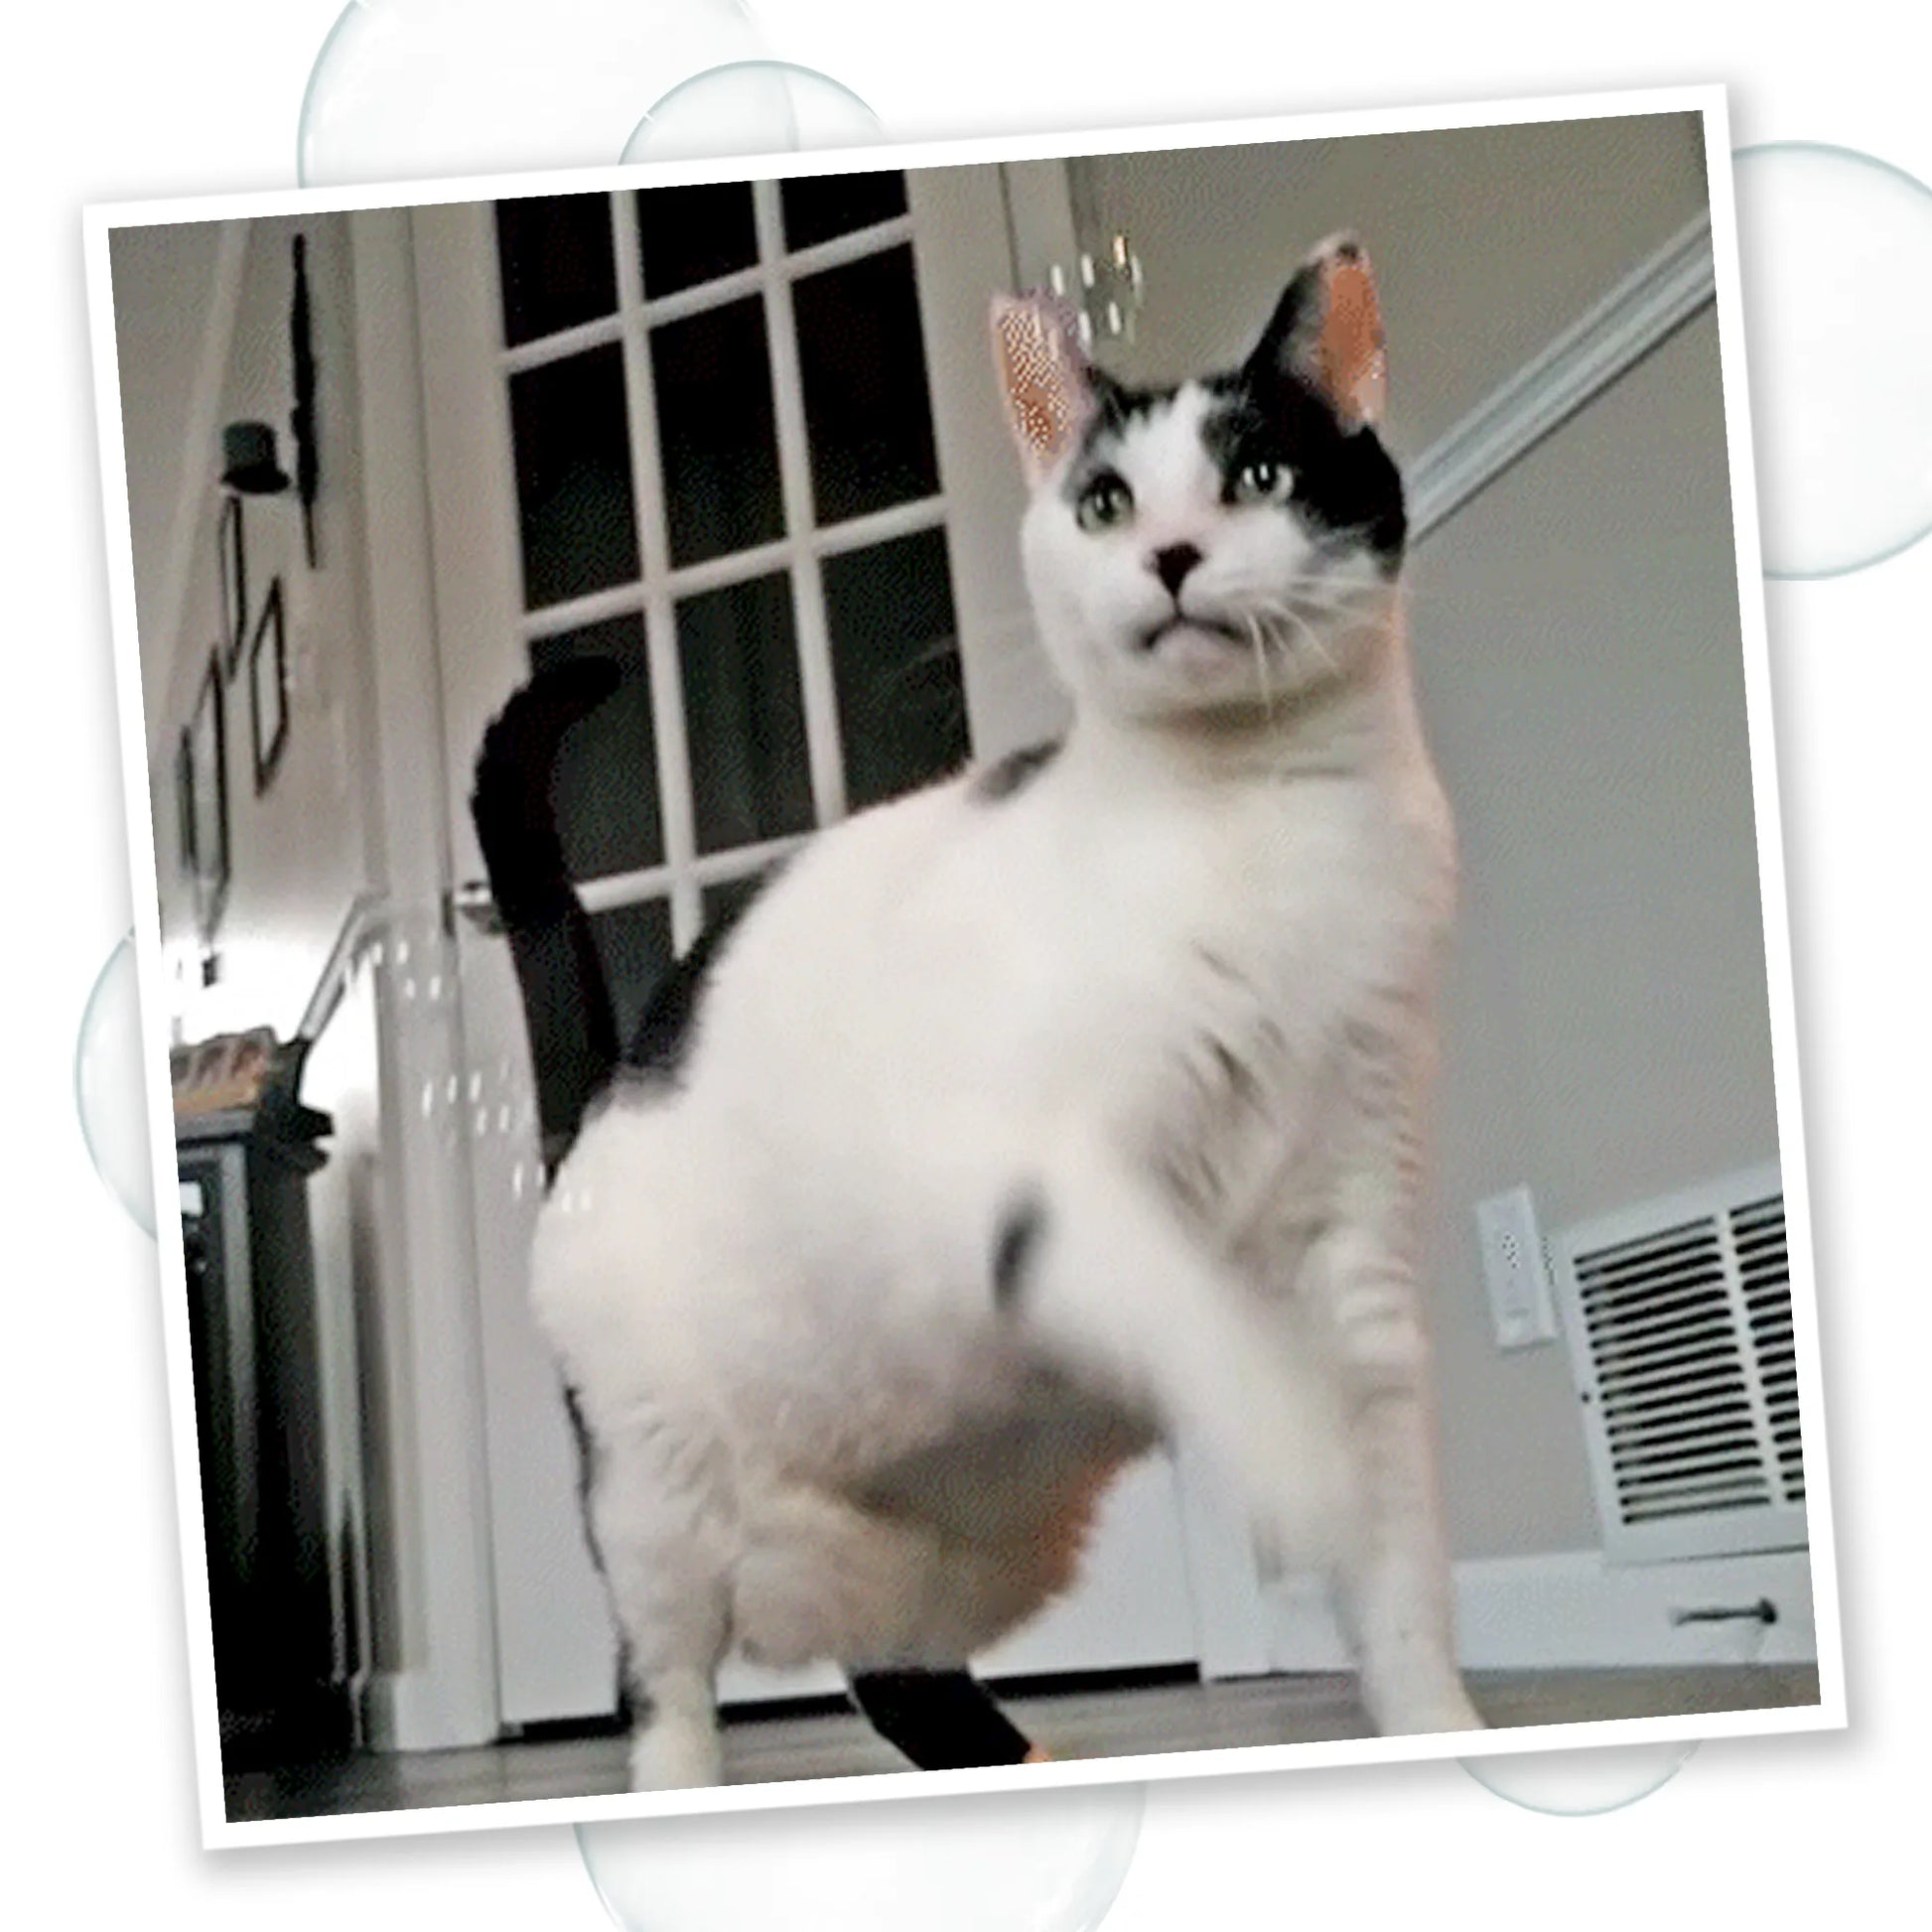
x=171 y=323
x=1486 y=241
x=1606 y=1039
x=303 y=849
x=1575 y=631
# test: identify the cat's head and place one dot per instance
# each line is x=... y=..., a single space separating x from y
x=1223 y=543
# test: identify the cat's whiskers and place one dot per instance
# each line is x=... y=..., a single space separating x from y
x=1320 y=595
x=1251 y=623
x=1285 y=614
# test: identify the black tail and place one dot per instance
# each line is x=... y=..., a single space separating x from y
x=566 y=1001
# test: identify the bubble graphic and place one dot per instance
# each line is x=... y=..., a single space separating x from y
x=1049 y=1860
x=1575 y=1784
x=752 y=107
x=1835 y=260
x=108 y=1087
x=408 y=89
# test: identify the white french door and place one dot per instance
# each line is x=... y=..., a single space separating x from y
x=743 y=441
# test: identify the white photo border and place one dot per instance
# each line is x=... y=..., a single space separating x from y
x=1829 y=1714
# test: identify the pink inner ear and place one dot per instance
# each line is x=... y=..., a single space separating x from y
x=1040 y=368
x=1349 y=353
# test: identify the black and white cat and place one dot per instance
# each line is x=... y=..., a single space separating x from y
x=1069 y=1106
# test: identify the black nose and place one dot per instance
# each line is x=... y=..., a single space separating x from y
x=1172 y=564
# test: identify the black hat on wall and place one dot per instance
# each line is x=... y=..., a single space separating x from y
x=248 y=460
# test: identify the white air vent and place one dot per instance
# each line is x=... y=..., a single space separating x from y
x=1678 y=1316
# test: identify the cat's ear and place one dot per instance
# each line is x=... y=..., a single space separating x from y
x=1326 y=332
x=1048 y=383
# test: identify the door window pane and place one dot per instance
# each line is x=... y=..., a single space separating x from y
x=751 y=776
x=573 y=476
x=558 y=268
x=861 y=364
x=606 y=786
x=819 y=207
x=633 y=942
x=896 y=663
x=689 y=235
x=715 y=428
x=725 y=902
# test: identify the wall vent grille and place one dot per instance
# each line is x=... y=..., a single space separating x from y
x=1678 y=1317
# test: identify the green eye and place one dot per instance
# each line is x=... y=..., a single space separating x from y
x=1105 y=502
x=1257 y=481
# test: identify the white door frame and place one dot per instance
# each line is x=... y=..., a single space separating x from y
x=434 y=1685
x=959 y=236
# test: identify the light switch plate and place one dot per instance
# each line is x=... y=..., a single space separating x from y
x=1514 y=1271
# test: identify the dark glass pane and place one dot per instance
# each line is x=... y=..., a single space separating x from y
x=819 y=207
x=715 y=428
x=573 y=476
x=730 y=897
x=863 y=366
x=689 y=235
x=751 y=776
x=558 y=268
x=635 y=944
x=896 y=663
x=606 y=771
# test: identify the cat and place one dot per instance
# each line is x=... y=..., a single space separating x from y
x=1073 y=1105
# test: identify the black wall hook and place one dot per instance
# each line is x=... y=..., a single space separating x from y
x=1762 y=1611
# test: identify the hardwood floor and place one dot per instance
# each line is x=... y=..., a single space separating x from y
x=1070 y=1725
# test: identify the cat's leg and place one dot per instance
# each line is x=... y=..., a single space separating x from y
x=1394 y=1578
x=1111 y=1283
x=656 y=1532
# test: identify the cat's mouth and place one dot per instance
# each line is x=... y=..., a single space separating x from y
x=1218 y=628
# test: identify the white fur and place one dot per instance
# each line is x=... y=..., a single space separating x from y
x=1176 y=992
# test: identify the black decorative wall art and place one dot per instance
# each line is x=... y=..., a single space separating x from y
x=208 y=735
x=268 y=689
x=233 y=554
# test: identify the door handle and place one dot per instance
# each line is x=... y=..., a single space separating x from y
x=472 y=901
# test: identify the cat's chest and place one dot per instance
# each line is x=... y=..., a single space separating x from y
x=1251 y=978
x=1260 y=934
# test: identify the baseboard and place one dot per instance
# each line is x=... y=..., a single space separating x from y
x=1574 y=1610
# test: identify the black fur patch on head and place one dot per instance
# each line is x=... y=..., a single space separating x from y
x=1345 y=485
x=1346 y=489
x=1014 y=1244
x=1014 y=773
x=1118 y=406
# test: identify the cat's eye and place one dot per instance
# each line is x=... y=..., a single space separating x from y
x=1105 y=502
x=1260 y=481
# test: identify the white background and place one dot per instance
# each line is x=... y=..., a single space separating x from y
x=128 y=99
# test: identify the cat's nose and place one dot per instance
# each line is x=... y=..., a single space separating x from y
x=1172 y=564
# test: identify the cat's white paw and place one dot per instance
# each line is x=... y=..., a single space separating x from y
x=673 y=1753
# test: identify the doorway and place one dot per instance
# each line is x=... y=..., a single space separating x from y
x=743 y=440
